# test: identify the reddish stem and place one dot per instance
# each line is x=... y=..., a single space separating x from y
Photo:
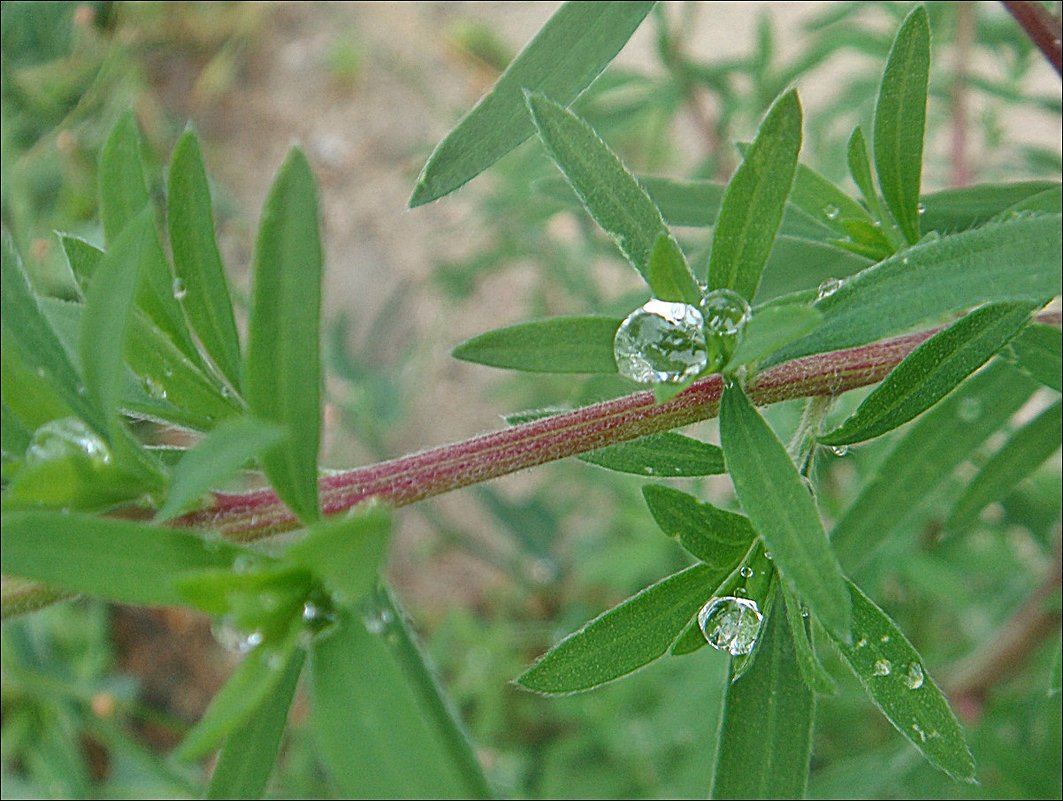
x=1042 y=28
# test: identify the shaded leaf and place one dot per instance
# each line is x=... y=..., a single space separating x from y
x=567 y=54
x=772 y=327
x=665 y=455
x=966 y=207
x=283 y=370
x=669 y=275
x=817 y=679
x=716 y=537
x=556 y=345
x=931 y=371
x=1038 y=352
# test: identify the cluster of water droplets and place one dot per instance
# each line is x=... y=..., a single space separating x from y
x=731 y=624
x=665 y=342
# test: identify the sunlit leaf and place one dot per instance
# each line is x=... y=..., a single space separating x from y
x=556 y=345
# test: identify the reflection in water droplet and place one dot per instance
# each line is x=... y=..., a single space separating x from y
x=179 y=289
x=831 y=212
x=746 y=571
x=914 y=677
x=725 y=312
x=882 y=667
x=829 y=287
x=920 y=208
x=661 y=343
x=66 y=438
x=730 y=624
x=839 y=450
x=969 y=410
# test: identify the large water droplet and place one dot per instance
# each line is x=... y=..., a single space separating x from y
x=882 y=667
x=725 y=312
x=67 y=438
x=179 y=289
x=913 y=679
x=730 y=624
x=661 y=343
x=829 y=287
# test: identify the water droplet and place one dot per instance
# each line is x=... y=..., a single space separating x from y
x=969 y=410
x=919 y=732
x=804 y=611
x=921 y=209
x=179 y=289
x=745 y=571
x=661 y=343
x=730 y=624
x=154 y=388
x=882 y=667
x=884 y=638
x=234 y=639
x=226 y=392
x=839 y=450
x=319 y=617
x=914 y=677
x=377 y=620
x=831 y=212
x=861 y=643
x=67 y=438
x=829 y=287
x=768 y=556
x=725 y=312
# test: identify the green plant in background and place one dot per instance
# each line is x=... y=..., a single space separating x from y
x=94 y=504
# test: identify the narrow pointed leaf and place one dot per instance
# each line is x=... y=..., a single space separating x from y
x=716 y=537
x=936 y=278
x=556 y=345
x=113 y=559
x=246 y=760
x=752 y=207
x=932 y=371
x=771 y=328
x=927 y=455
x=247 y=690
x=283 y=370
x=382 y=730
x=610 y=193
x=894 y=676
x=197 y=263
x=766 y=732
x=900 y=121
x=224 y=451
x=950 y=210
x=669 y=275
x=860 y=170
x=625 y=638
x=1038 y=353
x=824 y=202
x=1023 y=453
x=665 y=455
x=782 y=511
x=567 y=54
x=82 y=257
x=816 y=677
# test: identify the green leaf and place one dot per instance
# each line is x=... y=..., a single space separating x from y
x=113 y=559
x=860 y=170
x=556 y=345
x=381 y=728
x=937 y=278
x=203 y=291
x=821 y=200
x=249 y=752
x=966 y=207
x=626 y=637
x=926 y=456
x=14 y=436
x=283 y=370
x=33 y=344
x=108 y=308
x=931 y=371
x=82 y=257
x=816 y=678
x=567 y=54
x=719 y=539
x=765 y=738
x=247 y=690
x=665 y=455
x=1024 y=451
x=900 y=121
x=782 y=511
x=610 y=193
x=224 y=451
x=669 y=275
x=753 y=204
x=895 y=678
x=347 y=553
x=771 y=328
x=1038 y=352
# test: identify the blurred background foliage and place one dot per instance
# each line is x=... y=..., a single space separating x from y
x=94 y=696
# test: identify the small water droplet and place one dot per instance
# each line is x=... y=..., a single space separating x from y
x=884 y=638
x=804 y=611
x=661 y=343
x=180 y=291
x=829 y=287
x=725 y=312
x=921 y=208
x=745 y=571
x=969 y=410
x=67 y=438
x=831 y=211
x=882 y=667
x=730 y=624
x=234 y=639
x=914 y=677
x=861 y=643
x=154 y=388
x=319 y=617
x=377 y=620
x=904 y=260
x=919 y=732
x=768 y=556
x=839 y=450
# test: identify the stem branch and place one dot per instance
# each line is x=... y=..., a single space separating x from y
x=1042 y=28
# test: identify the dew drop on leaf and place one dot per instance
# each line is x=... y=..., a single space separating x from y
x=746 y=571
x=831 y=212
x=882 y=667
x=235 y=639
x=66 y=438
x=179 y=289
x=661 y=343
x=913 y=679
x=730 y=624
x=829 y=287
x=839 y=450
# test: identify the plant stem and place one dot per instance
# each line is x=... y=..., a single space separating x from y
x=1042 y=28
x=408 y=479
